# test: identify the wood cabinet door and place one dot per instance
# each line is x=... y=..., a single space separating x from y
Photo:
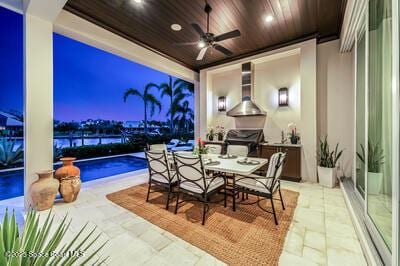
x=266 y=152
x=292 y=167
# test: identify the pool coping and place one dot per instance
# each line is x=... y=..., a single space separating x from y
x=81 y=160
x=86 y=185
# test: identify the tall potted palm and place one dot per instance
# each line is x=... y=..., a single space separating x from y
x=149 y=100
x=375 y=162
x=327 y=161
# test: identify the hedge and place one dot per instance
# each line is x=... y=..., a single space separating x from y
x=85 y=152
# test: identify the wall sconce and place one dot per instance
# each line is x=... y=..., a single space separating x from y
x=283 y=97
x=222 y=104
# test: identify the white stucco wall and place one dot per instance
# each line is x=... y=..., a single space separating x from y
x=335 y=103
x=268 y=78
x=293 y=67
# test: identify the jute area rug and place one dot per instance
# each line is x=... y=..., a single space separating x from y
x=248 y=236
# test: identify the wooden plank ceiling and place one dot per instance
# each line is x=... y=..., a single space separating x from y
x=149 y=24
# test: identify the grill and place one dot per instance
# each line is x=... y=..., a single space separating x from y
x=248 y=137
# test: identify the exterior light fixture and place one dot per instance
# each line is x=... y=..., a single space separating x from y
x=222 y=104
x=283 y=97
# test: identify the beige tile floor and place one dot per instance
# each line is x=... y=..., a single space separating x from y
x=321 y=232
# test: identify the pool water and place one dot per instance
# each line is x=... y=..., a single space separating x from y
x=12 y=182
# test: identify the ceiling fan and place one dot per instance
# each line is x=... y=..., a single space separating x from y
x=209 y=40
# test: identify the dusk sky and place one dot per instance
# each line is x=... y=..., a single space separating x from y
x=88 y=82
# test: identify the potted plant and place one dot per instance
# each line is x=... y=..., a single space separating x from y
x=327 y=161
x=221 y=133
x=293 y=134
x=200 y=148
x=375 y=161
x=211 y=133
x=45 y=243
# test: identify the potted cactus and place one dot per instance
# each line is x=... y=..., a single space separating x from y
x=327 y=161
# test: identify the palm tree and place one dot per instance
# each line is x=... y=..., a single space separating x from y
x=184 y=116
x=176 y=93
x=147 y=98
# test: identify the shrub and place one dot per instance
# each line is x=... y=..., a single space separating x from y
x=9 y=155
x=84 y=152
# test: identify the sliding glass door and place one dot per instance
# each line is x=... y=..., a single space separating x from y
x=377 y=126
x=360 y=111
x=378 y=150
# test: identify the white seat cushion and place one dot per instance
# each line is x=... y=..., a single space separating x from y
x=162 y=179
x=215 y=183
x=255 y=182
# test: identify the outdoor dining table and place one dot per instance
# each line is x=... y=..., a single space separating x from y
x=231 y=165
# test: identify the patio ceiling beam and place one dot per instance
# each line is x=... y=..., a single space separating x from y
x=38 y=87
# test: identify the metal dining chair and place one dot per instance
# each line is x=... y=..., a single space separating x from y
x=160 y=173
x=157 y=147
x=214 y=148
x=238 y=150
x=263 y=186
x=193 y=180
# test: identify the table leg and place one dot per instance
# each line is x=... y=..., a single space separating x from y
x=233 y=194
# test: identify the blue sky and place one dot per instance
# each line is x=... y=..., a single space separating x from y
x=88 y=82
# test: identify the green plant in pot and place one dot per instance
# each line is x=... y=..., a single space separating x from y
x=211 y=133
x=221 y=133
x=42 y=244
x=327 y=161
x=375 y=162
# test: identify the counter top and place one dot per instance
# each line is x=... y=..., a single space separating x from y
x=282 y=145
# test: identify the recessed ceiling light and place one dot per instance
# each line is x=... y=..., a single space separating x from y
x=176 y=27
x=269 y=18
x=138 y=1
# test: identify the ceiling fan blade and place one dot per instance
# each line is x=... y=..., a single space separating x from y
x=197 y=28
x=227 y=35
x=202 y=53
x=223 y=50
x=184 y=43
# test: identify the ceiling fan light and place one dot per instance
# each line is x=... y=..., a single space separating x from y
x=201 y=44
x=269 y=18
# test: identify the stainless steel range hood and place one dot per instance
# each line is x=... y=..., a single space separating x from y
x=247 y=107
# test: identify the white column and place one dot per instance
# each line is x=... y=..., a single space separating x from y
x=38 y=98
x=308 y=74
x=38 y=88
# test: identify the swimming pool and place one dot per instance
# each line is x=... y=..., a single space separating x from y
x=12 y=182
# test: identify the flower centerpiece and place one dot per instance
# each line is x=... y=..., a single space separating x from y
x=211 y=133
x=294 y=135
x=200 y=148
x=221 y=132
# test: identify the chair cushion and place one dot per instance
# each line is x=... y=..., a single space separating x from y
x=162 y=179
x=255 y=182
x=212 y=183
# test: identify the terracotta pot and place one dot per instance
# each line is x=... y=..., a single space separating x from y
x=70 y=187
x=44 y=190
x=68 y=168
x=69 y=177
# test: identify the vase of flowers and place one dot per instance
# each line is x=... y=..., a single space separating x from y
x=200 y=148
x=220 y=133
x=211 y=133
x=293 y=134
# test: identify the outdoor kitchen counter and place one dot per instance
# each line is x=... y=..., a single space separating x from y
x=282 y=145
